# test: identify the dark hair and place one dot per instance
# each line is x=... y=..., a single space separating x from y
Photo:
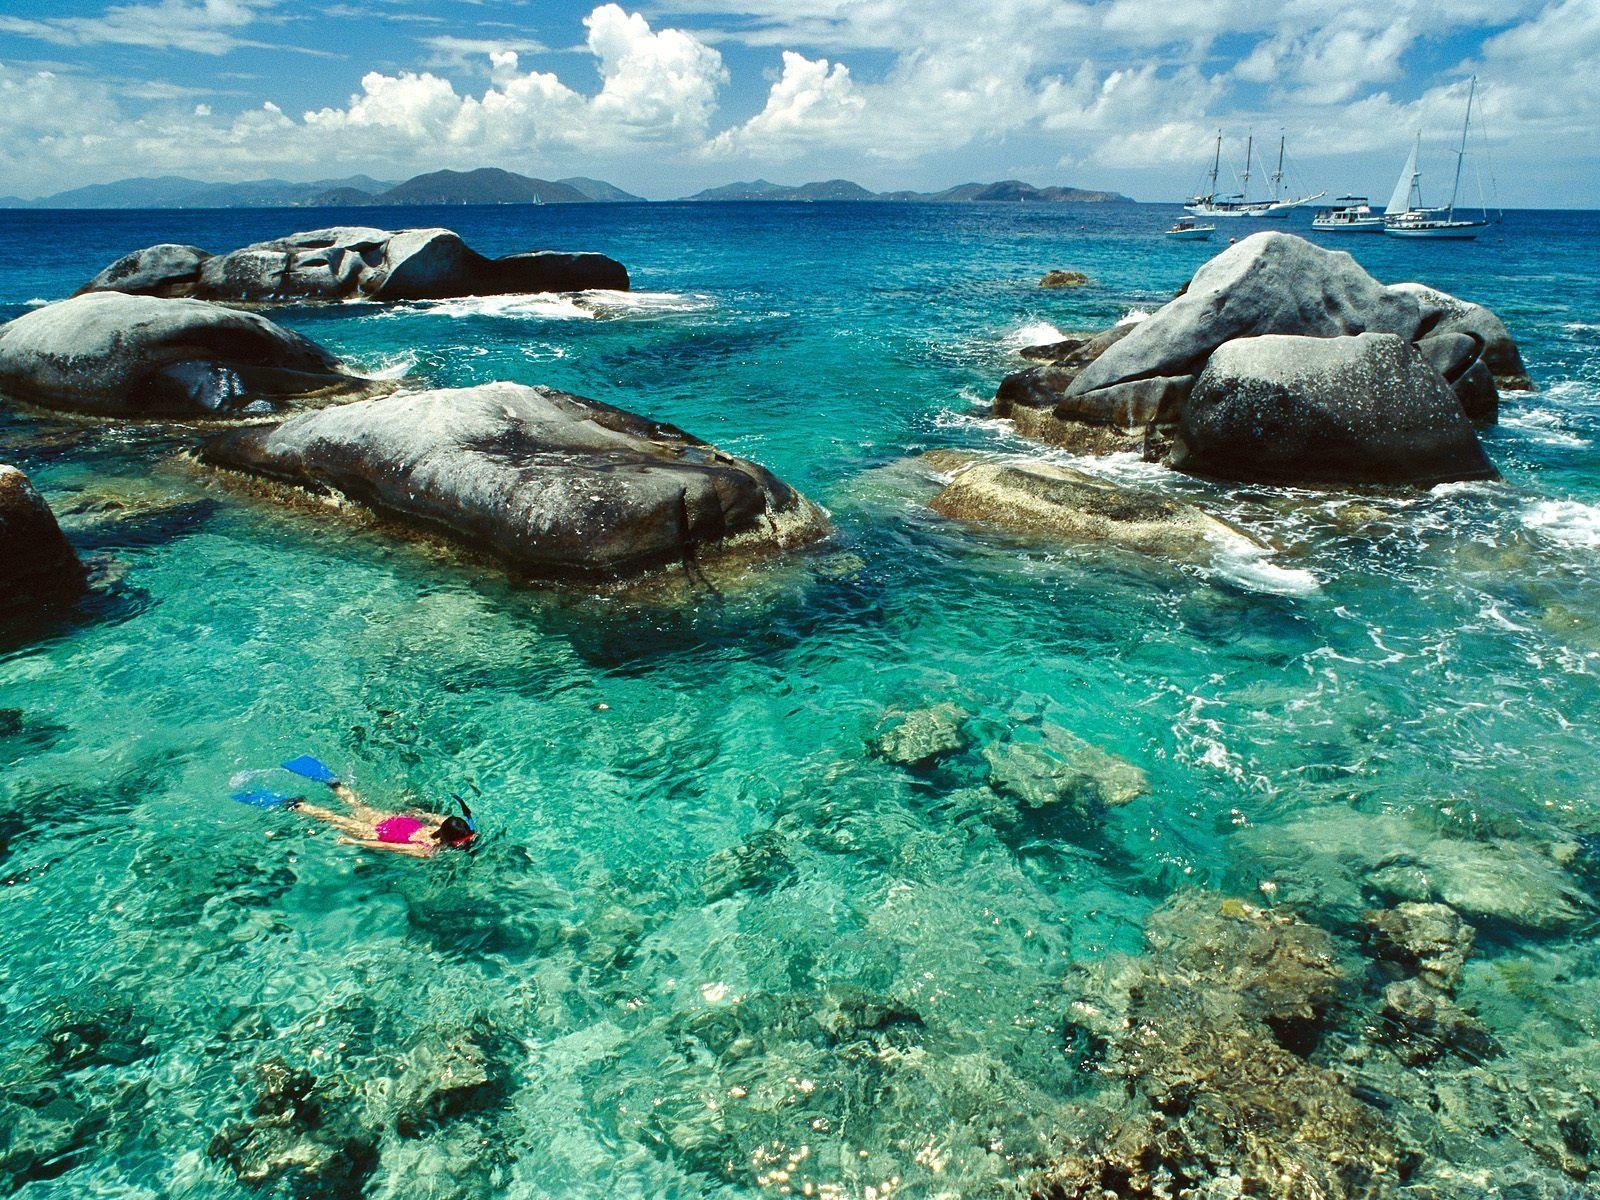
x=454 y=832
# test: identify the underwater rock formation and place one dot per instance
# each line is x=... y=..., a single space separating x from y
x=1209 y=1034
x=551 y=484
x=1053 y=766
x=1325 y=410
x=352 y=263
x=108 y=354
x=1060 y=503
x=920 y=737
x=40 y=564
x=1338 y=860
x=1128 y=387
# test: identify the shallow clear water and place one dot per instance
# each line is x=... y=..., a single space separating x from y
x=1436 y=655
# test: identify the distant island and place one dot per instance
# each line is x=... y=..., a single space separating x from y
x=491 y=185
x=1010 y=191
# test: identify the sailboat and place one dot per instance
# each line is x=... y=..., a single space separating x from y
x=1240 y=205
x=1404 y=219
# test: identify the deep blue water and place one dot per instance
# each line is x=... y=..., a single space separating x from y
x=1432 y=656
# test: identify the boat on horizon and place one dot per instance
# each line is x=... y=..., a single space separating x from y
x=1348 y=214
x=1187 y=229
x=1407 y=217
x=1239 y=204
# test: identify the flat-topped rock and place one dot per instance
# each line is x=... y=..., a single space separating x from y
x=1043 y=500
x=549 y=483
x=40 y=564
x=353 y=263
x=1344 y=410
x=118 y=355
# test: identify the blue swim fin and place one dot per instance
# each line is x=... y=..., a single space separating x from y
x=313 y=769
x=261 y=798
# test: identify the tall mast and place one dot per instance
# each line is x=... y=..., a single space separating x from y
x=1249 y=144
x=1277 y=176
x=1461 y=154
x=1216 y=163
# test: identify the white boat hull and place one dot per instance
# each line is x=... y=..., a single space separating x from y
x=1201 y=210
x=1372 y=225
x=1454 y=232
x=1192 y=235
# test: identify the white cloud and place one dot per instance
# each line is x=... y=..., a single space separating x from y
x=200 y=26
x=1124 y=89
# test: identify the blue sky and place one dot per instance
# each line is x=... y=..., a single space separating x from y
x=669 y=96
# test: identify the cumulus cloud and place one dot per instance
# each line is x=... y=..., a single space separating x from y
x=1109 y=90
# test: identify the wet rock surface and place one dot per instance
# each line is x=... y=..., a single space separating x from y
x=346 y=263
x=110 y=354
x=1331 y=410
x=1045 y=500
x=552 y=484
x=41 y=566
x=1128 y=388
x=1064 y=279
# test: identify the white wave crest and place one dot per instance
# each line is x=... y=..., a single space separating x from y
x=36 y=302
x=1254 y=569
x=387 y=366
x=558 y=306
x=1035 y=333
x=1133 y=316
x=1567 y=522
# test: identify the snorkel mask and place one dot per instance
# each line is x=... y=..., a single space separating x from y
x=466 y=814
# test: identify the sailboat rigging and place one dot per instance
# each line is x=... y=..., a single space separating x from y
x=1211 y=204
x=1406 y=217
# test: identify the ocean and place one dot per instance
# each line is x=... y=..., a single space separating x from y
x=712 y=944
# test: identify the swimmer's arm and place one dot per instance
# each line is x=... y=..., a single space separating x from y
x=414 y=850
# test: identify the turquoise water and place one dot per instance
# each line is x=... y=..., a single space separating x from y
x=873 y=1002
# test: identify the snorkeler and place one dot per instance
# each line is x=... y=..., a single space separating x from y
x=418 y=834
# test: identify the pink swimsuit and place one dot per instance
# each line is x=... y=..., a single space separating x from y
x=397 y=829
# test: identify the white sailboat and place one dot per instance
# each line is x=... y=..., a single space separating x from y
x=1239 y=204
x=1406 y=217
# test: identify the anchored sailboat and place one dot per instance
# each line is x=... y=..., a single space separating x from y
x=1406 y=217
x=1239 y=204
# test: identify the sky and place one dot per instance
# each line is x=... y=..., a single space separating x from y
x=664 y=97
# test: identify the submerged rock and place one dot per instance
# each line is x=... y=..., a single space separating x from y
x=758 y=864
x=1064 y=279
x=1041 y=499
x=114 y=355
x=922 y=736
x=1127 y=388
x=1430 y=940
x=353 y=263
x=1057 y=767
x=300 y=1138
x=1333 y=857
x=1326 y=410
x=1209 y=1034
x=40 y=564
x=550 y=483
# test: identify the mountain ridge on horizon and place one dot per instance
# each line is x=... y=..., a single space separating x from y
x=494 y=185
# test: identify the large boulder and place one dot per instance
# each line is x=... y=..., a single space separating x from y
x=1128 y=387
x=550 y=483
x=40 y=565
x=1318 y=410
x=118 y=355
x=1441 y=313
x=346 y=263
x=1267 y=283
